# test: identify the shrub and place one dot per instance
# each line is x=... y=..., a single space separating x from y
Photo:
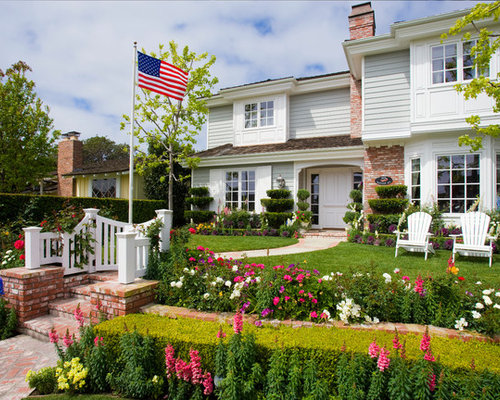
x=391 y=191
x=278 y=193
x=388 y=206
x=276 y=219
x=44 y=380
x=302 y=205
x=8 y=320
x=356 y=195
x=199 y=202
x=199 y=216
x=303 y=194
x=277 y=205
x=198 y=191
x=383 y=222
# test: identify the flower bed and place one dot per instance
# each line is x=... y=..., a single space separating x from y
x=295 y=292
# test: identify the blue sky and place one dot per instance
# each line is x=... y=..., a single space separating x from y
x=81 y=52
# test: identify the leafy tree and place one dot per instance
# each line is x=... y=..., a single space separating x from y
x=486 y=46
x=27 y=142
x=169 y=126
x=99 y=148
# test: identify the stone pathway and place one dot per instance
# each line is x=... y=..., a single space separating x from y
x=18 y=355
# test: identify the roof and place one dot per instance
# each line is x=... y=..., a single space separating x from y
x=290 y=145
x=118 y=165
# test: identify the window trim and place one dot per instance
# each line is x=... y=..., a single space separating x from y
x=117 y=188
x=259 y=115
x=239 y=189
x=411 y=185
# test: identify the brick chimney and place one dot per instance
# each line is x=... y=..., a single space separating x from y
x=361 y=25
x=69 y=158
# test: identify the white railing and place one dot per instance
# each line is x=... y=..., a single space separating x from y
x=117 y=245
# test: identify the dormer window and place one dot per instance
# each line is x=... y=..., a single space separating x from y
x=259 y=114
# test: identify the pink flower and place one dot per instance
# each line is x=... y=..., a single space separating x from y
x=320 y=280
x=315 y=301
x=425 y=342
x=170 y=360
x=395 y=342
x=192 y=259
x=287 y=278
x=373 y=349
x=53 y=336
x=282 y=289
x=220 y=334
x=67 y=339
x=323 y=315
x=300 y=277
x=405 y=278
x=428 y=356
x=192 y=231
x=310 y=295
x=432 y=382
x=314 y=314
x=98 y=340
x=79 y=315
x=182 y=369
x=258 y=323
x=301 y=300
x=383 y=361
x=287 y=298
x=301 y=291
x=195 y=366
x=208 y=384
x=200 y=248
x=238 y=322
x=419 y=286
x=276 y=300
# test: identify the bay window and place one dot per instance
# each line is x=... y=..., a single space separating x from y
x=240 y=190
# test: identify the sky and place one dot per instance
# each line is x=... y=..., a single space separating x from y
x=81 y=52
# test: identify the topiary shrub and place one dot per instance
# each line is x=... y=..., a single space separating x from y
x=276 y=219
x=278 y=193
x=199 y=202
x=302 y=205
x=391 y=191
x=356 y=196
x=201 y=191
x=388 y=206
x=199 y=216
x=277 y=205
x=303 y=194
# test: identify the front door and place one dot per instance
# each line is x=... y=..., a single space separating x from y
x=329 y=189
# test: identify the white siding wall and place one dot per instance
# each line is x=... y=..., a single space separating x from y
x=286 y=172
x=220 y=126
x=386 y=93
x=320 y=114
x=200 y=177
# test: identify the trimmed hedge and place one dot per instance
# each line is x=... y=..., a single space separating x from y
x=277 y=205
x=319 y=343
x=278 y=193
x=302 y=205
x=303 y=194
x=35 y=207
x=388 y=206
x=199 y=216
x=356 y=195
x=276 y=219
x=198 y=201
x=391 y=191
x=198 y=191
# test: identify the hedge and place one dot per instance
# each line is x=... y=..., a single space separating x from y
x=277 y=205
x=320 y=343
x=388 y=206
x=278 y=193
x=391 y=192
x=31 y=207
x=198 y=201
x=198 y=191
x=275 y=219
x=383 y=221
x=199 y=216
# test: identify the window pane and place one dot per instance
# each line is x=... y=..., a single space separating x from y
x=458 y=176
x=437 y=52
x=443 y=177
x=458 y=206
x=472 y=160
x=450 y=50
x=443 y=191
x=437 y=65
x=472 y=191
x=458 y=191
x=415 y=192
x=415 y=178
x=415 y=164
x=451 y=76
x=473 y=176
x=443 y=162
x=444 y=205
x=437 y=77
x=458 y=161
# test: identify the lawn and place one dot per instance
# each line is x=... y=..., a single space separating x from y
x=351 y=256
x=221 y=244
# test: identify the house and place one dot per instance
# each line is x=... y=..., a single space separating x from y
x=395 y=114
x=107 y=179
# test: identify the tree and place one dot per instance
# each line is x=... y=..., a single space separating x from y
x=486 y=46
x=168 y=126
x=99 y=148
x=27 y=142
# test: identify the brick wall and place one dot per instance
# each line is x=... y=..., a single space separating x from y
x=69 y=158
x=382 y=161
x=361 y=21
x=31 y=291
x=356 y=108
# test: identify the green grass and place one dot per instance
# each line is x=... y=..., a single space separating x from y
x=221 y=244
x=348 y=256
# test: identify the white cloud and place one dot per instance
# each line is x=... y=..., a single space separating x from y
x=81 y=52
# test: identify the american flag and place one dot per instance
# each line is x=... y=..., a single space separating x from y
x=161 y=77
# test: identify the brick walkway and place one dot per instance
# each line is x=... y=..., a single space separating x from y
x=18 y=355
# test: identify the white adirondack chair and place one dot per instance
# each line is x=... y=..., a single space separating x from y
x=418 y=234
x=475 y=227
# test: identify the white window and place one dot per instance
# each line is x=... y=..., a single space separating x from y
x=240 y=190
x=104 y=187
x=498 y=182
x=415 y=181
x=453 y=62
x=259 y=114
x=357 y=180
x=458 y=182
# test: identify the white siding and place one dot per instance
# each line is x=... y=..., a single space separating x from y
x=387 y=92
x=220 y=126
x=201 y=177
x=286 y=172
x=320 y=114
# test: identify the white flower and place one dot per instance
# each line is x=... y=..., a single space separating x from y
x=479 y=306
x=178 y=284
x=8 y=252
x=375 y=320
x=497 y=306
x=185 y=270
x=4 y=262
x=236 y=293
x=396 y=270
x=192 y=272
x=461 y=323
x=327 y=313
x=181 y=278
x=228 y=283
x=487 y=292
x=172 y=284
x=476 y=315
x=478 y=283
x=257 y=279
x=206 y=296
x=219 y=280
x=235 y=268
x=497 y=294
x=487 y=300
x=326 y=278
x=387 y=277
x=213 y=283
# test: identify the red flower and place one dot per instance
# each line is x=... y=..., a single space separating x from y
x=461 y=278
x=192 y=231
x=19 y=244
x=20 y=236
x=21 y=257
x=43 y=223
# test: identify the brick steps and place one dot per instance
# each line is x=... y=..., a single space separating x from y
x=40 y=327
x=81 y=292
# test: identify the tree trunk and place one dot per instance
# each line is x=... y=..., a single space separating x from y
x=170 y=180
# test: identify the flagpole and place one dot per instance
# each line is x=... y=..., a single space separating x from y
x=131 y=159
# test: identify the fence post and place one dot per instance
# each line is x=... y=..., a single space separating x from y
x=127 y=263
x=166 y=216
x=32 y=247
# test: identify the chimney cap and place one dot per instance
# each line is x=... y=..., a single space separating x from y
x=360 y=9
x=72 y=135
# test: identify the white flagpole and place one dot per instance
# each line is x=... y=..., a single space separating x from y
x=131 y=160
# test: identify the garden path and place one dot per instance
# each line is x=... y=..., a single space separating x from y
x=18 y=355
x=310 y=242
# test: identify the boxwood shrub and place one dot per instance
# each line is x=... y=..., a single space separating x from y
x=276 y=219
x=388 y=206
x=323 y=344
x=198 y=191
x=278 y=193
x=391 y=191
x=277 y=205
x=199 y=216
x=383 y=222
x=198 y=201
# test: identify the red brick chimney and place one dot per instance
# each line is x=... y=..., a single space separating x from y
x=361 y=25
x=69 y=158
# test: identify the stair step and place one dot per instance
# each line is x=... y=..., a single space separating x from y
x=104 y=276
x=40 y=327
x=65 y=308
x=82 y=292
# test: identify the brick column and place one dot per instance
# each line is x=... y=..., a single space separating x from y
x=31 y=291
x=356 y=108
x=69 y=158
x=382 y=161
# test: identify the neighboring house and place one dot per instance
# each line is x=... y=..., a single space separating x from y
x=395 y=113
x=106 y=179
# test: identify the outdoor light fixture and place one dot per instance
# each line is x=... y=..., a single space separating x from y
x=281 y=181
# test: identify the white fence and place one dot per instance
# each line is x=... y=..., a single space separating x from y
x=116 y=246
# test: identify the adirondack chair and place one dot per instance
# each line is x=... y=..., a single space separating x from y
x=475 y=227
x=418 y=234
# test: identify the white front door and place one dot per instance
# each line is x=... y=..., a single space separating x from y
x=331 y=187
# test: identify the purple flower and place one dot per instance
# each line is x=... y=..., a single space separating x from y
x=282 y=289
x=266 y=312
x=435 y=245
x=389 y=242
x=448 y=244
x=315 y=271
x=244 y=306
x=469 y=293
x=370 y=240
x=258 y=323
x=392 y=228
